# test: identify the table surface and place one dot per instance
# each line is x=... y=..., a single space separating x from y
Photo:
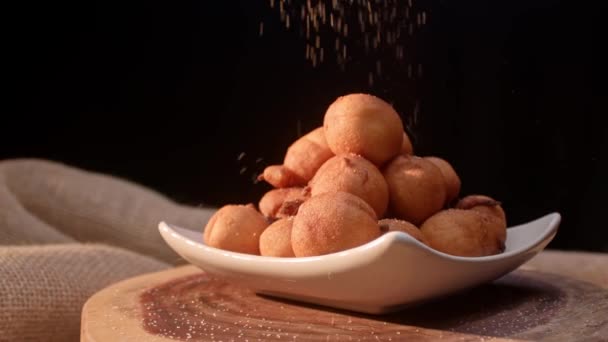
x=114 y=314
x=584 y=266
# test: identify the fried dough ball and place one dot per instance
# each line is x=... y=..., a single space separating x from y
x=390 y=225
x=235 y=228
x=452 y=181
x=406 y=146
x=482 y=204
x=281 y=177
x=282 y=202
x=463 y=233
x=354 y=174
x=276 y=239
x=489 y=206
x=332 y=222
x=307 y=154
x=416 y=187
x=302 y=160
x=363 y=124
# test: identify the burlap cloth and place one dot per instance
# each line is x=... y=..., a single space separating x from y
x=65 y=233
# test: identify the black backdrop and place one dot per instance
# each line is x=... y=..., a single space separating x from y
x=168 y=94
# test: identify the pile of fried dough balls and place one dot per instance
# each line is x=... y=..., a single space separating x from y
x=350 y=181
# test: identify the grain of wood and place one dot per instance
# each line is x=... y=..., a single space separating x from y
x=186 y=304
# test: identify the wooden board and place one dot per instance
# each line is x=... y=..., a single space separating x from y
x=186 y=304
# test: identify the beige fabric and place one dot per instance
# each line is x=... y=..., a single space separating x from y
x=43 y=288
x=56 y=227
x=43 y=202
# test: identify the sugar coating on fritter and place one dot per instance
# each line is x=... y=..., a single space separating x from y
x=353 y=174
x=392 y=225
x=302 y=160
x=452 y=181
x=332 y=222
x=276 y=239
x=463 y=233
x=308 y=154
x=363 y=124
x=235 y=228
x=416 y=187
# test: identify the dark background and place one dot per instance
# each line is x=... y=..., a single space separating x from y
x=169 y=94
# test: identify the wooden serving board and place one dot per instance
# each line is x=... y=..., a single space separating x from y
x=186 y=304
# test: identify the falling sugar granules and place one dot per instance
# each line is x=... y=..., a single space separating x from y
x=371 y=32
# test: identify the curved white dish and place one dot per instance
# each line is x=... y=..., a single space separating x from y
x=380 y=276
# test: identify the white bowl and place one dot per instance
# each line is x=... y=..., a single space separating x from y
x=383 y=275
